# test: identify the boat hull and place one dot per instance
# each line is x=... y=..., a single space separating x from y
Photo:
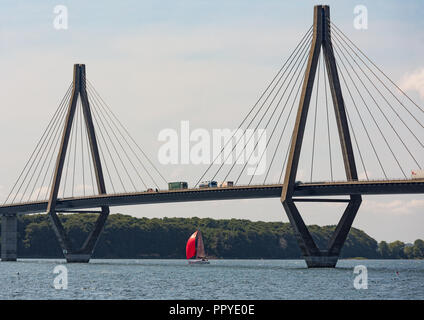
x=198 y=262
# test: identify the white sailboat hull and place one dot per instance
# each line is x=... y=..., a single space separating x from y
x=198 y=261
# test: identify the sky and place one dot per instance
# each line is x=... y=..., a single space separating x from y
x=158 y=63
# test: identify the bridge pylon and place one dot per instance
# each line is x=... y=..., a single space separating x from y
x=314 y=256
x=84 y=253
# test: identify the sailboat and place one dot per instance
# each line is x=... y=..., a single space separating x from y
x=196 y=248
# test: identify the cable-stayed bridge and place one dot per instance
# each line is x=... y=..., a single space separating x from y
x=364 y=137
x=227 y=193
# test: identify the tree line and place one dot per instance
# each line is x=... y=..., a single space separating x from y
x=126 y=237
x=401 y=250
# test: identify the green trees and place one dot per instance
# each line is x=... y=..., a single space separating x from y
x=418 y=249
x=397 y=250
x=129 y=237
x=400 y=250
x=384 y=250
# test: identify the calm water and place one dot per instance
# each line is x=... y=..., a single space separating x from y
x=222 y=279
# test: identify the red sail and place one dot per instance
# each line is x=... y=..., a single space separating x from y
x=191 y=246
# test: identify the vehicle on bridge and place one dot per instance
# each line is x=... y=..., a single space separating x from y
x=177 y=185
x=208 y=184
x=226 y=184
x=417 y=174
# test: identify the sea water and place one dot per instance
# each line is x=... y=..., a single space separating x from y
x=221 y=279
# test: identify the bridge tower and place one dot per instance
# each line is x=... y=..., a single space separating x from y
x=314 y=256
x=84 y=253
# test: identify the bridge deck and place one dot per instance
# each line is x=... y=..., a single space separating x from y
x=236 y=192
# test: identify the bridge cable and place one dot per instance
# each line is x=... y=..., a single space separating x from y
x=384 y=98
x=96 y=110
x=421 y=109
x=284 y=129
x=350 y=126
x=300 y=44
x=99 y=146
x=123 y=137
x=286 y=157
x=362 y=121
x=36 y=149
x=278 y=120
x=49 y=145
x=54 y=137
x=315 y=117
x=77 y=111
x=68 y=157
x=53 y=154
x=90 y=160
x=359 y=114
x=328 y=118
x=103 y=158
x=101 y=118
x=304 y=51
x=269 y=120
x=120 y=144
x=263 y=116
x=102 y=113
x=375 y=121
x=111 y=114
x=384 y=115
x=356 y=143
x=98 y=121
x=108 y=111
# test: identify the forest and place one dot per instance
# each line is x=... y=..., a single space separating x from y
x=128 y=237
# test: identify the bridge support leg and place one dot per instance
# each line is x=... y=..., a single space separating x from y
x=315 y=257
x=9 y=237
x=87 y=250
x=84 y=253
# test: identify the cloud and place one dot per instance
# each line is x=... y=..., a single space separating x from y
x=395 y=207
x=414 y=81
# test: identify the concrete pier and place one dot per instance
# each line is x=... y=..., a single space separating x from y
x=77 y=258
x=9 y=237
x=322 y=261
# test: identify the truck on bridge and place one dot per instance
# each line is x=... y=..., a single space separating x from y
x=177 y=185
x=417 y=174
x=226 y=184
x=208 y=184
